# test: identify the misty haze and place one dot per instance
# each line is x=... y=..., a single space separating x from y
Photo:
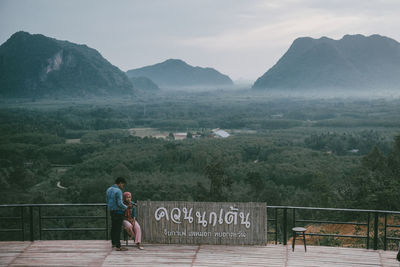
x=207 y=107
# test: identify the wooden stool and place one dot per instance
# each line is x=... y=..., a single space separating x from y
x=127 y=237
x=296 y=231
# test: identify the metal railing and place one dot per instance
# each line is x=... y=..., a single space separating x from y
x=33 y=221
x=357 y=217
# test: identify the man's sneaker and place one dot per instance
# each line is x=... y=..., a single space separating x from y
x=121 y=249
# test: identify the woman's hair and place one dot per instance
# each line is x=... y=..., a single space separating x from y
x=126 y=194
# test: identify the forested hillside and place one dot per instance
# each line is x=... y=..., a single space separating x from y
x=35 y=66
x=325 y=153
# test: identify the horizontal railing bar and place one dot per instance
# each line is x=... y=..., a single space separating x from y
x=393 y=225
x=393 y=238
x=71 y=217
x=336 y=235
x=73 y=229
x=52 y=205
x=332 y=222
x=333 y=209
x=272 y=207
x=10 y=230
x=10 y=218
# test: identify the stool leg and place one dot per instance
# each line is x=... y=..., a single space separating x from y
x=126 y=237
x=294 y=240
x=304 y=238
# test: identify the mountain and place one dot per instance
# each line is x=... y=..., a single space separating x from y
x=33 y=65
x=177 y=73
x=143 y=83
x=355 y=61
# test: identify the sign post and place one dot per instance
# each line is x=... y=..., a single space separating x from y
x=177 y=222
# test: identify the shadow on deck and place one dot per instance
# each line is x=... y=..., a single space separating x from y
x=99 y=253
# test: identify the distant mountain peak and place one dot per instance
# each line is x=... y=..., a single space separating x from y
x=177 y=73
x=352 y=62
x=20 y=34
x=33 y=65
x=174 y=61
x=353 y=36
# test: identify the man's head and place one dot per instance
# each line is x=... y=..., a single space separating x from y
x=120 y=182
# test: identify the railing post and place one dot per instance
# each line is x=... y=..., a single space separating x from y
x=276 y=226
x=22 y=223
x=107 y=238
x=294 y=217
x=31 y=222
x=40 y=223
x=384 y=238
x=376 y=217
x=368 y=229
x=284 y=226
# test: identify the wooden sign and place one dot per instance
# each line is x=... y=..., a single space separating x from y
x=171 y=222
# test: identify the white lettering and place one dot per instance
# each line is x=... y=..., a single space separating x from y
x=160 y=213
x=244 y=220
x=176 y=218
x=221 y=220
x=174 y=233
x=188 y=215
x=201 y=218
x=230 y=234
x=200 y=234
x=211 y=221
x=230 y=217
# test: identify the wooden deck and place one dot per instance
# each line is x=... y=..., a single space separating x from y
x=99 y=253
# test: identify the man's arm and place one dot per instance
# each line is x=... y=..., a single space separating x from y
x=120 y=203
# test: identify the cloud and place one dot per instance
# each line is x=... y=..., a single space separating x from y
x=240 y=38
x=275 y=33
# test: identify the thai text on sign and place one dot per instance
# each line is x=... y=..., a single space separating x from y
x=204 y=218
x=181 y=222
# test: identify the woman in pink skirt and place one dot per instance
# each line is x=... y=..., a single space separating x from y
x=130 y=223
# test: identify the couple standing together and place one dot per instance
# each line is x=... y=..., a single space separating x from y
x=123 y=212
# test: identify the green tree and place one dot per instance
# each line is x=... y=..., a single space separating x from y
x=257 y=184
x=375 y=160
x=218 y=181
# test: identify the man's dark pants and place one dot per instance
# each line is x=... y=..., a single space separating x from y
x=116 y=224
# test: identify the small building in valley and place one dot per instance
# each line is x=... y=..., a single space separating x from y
x=220 y=133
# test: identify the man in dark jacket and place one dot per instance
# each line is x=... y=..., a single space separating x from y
x=117 y=209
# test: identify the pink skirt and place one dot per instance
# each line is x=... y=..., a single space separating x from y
x=133 y=231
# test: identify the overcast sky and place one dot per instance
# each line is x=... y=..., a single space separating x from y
x=240 y=38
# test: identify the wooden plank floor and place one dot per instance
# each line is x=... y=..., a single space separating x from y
x=99 y=253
